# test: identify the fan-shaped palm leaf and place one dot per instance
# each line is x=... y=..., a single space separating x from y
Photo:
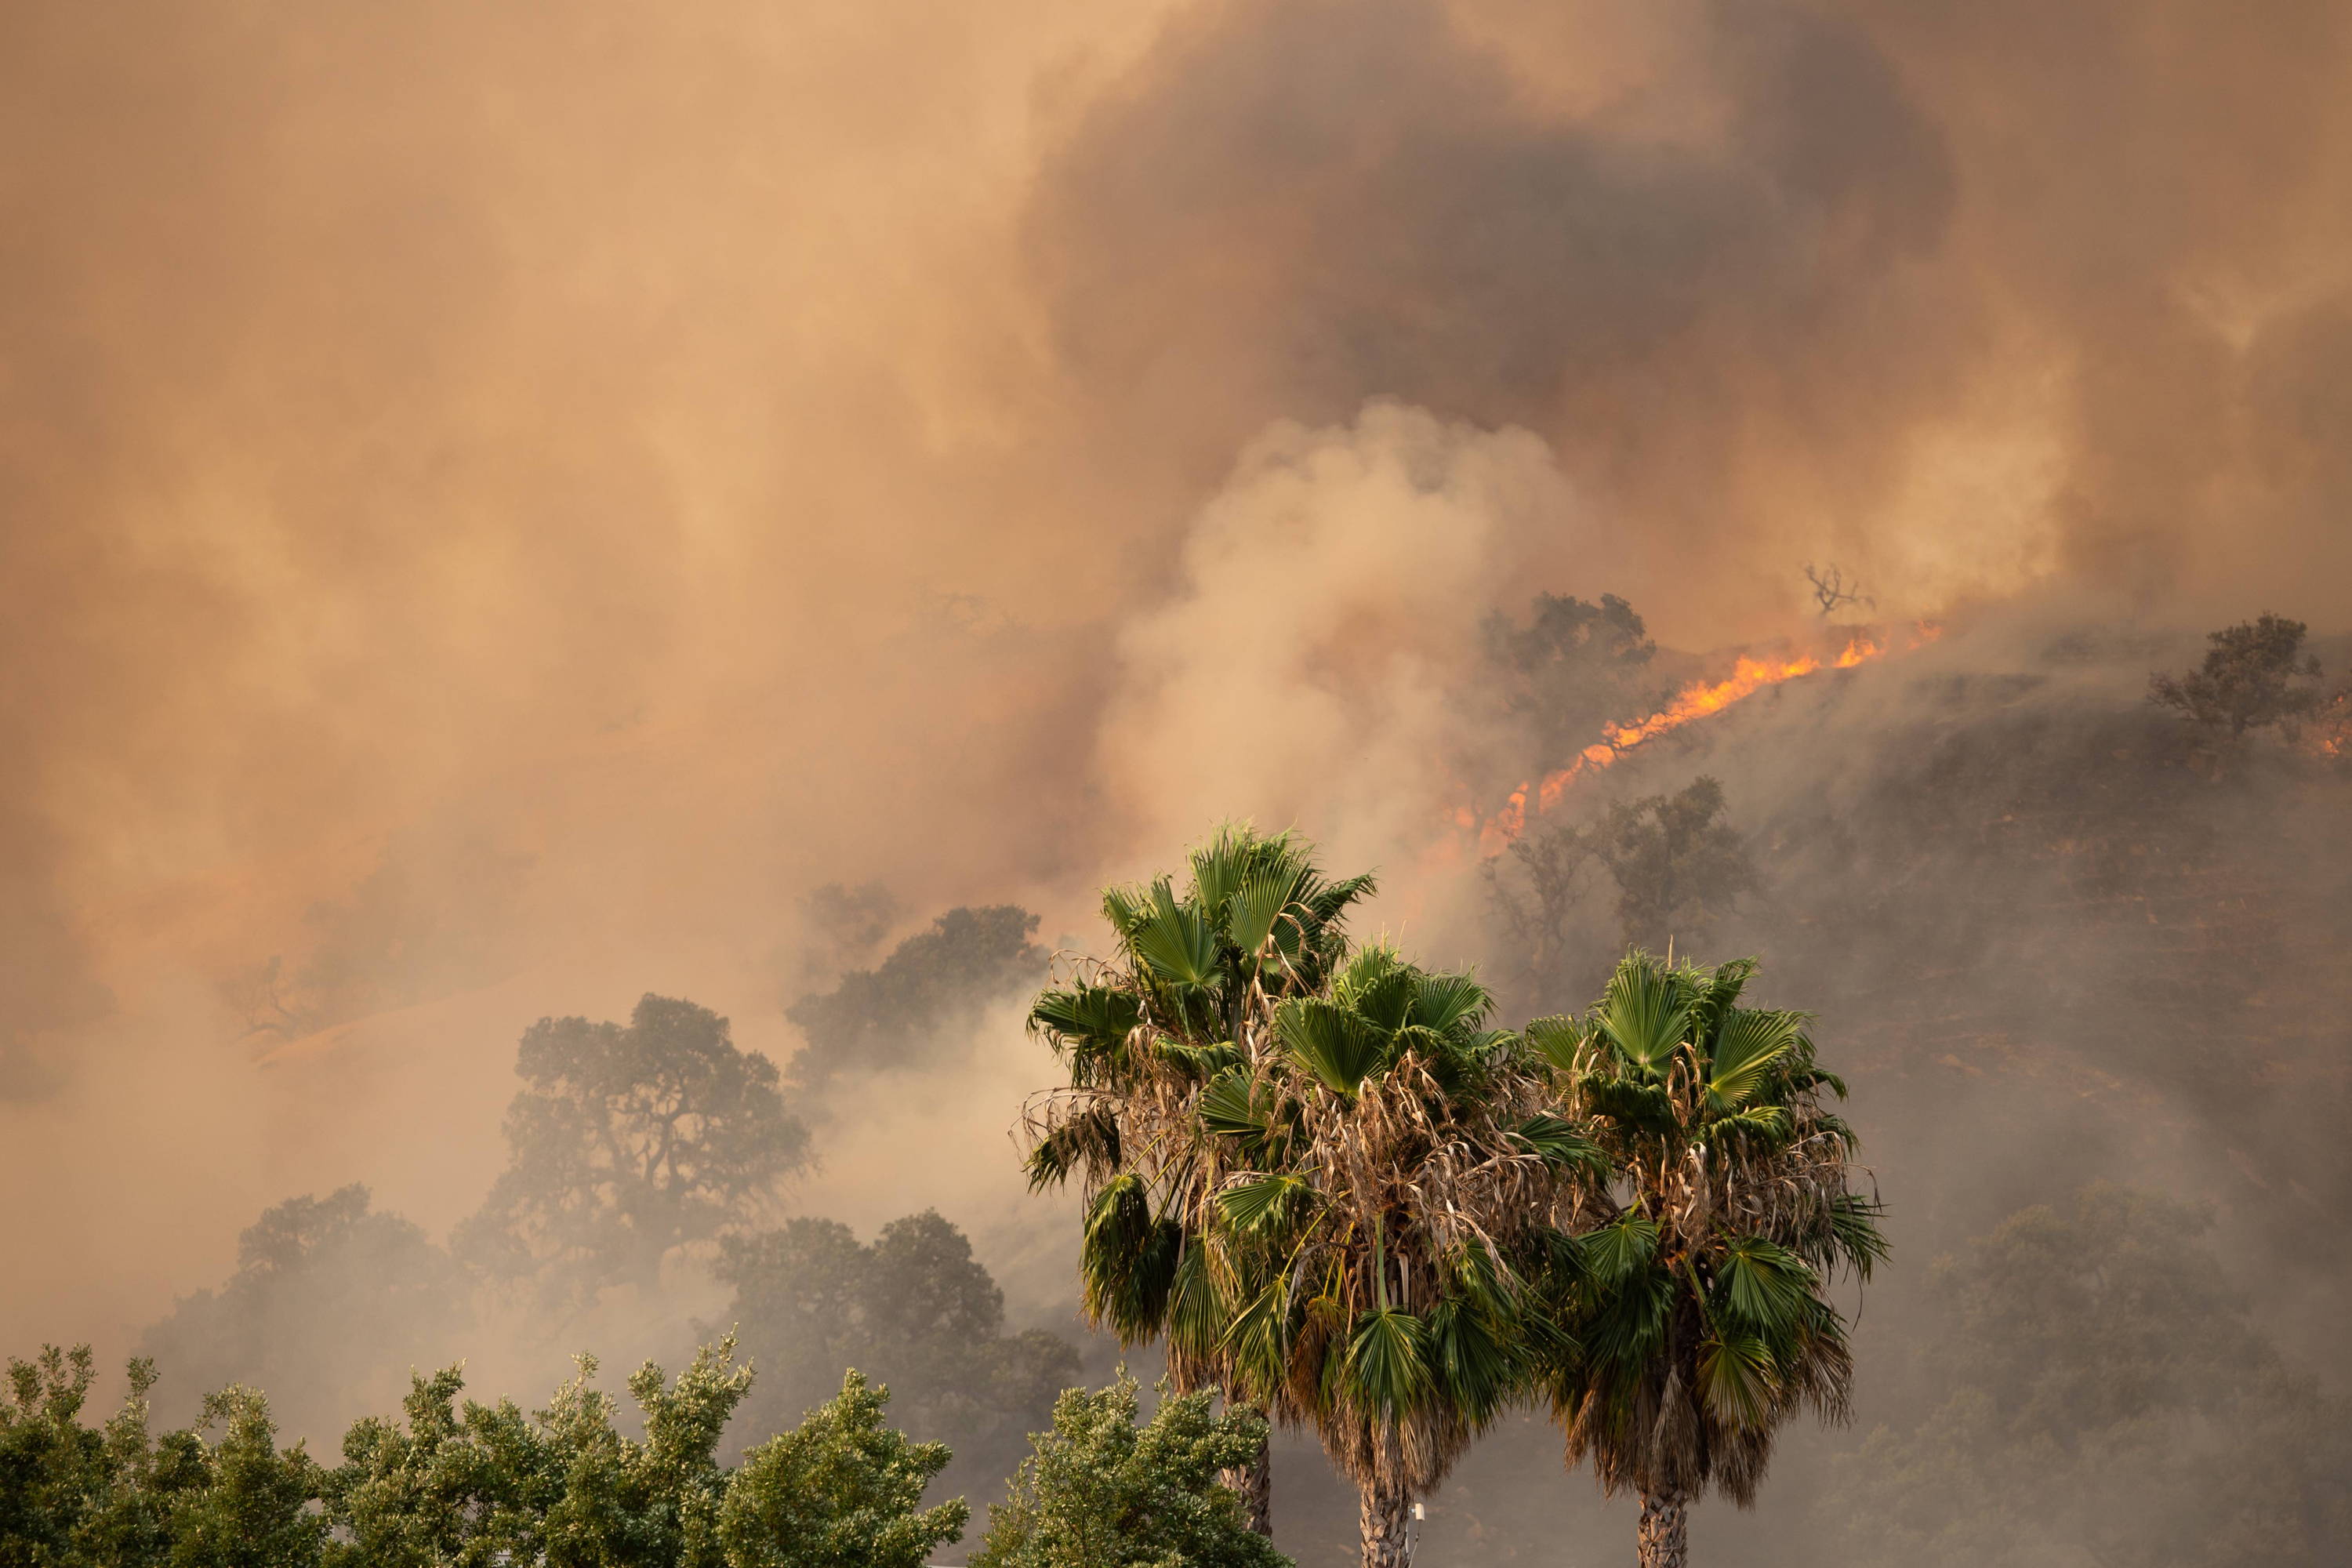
x=1330 y=1041
x=1646 y=1013
x=1386 y=1370
x=1264 y=1203
x=1748 y=1045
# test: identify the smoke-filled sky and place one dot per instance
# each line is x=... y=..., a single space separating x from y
x=496 y=502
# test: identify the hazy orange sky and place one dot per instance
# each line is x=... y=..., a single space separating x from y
x=510 y=497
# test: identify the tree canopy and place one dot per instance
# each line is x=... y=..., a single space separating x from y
x=2255 y=676
x=1678 y=863
x=331 y=1300
x=933 y=986
x=628 y=1141
x=1573 y=667
x=1101 y=1491
x=1698 y=1323
x=470 y=1486
x=913 y=1309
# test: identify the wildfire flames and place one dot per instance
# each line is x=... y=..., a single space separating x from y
x=1696 y=701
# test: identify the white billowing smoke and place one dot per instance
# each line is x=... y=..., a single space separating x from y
x=1311 y=669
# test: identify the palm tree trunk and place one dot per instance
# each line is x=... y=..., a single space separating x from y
x=1254 y=1483
x=1386 y=1513
x=1664 y=1538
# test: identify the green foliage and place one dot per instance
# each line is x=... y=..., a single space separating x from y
x=914 y=1310
x=840 y=1492
x=2255 y=676
x=629 y=1142
x=1102 y=1492
x=2101 y=1392
x=1679 y=864
x=469 y=1489
x=1694 y=1322
x=331 y=1299
x=71 y=1496
x=1321 y=1157
x=480 y=1487
x=933 y=986
x=240 y=1502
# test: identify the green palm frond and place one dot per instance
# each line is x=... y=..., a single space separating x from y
x=1257 y=904
x=1089 y=1139
x=1635 y=1107
x=1127 y=1260
x=1614 y=1253
x=1124 y=906
x=1386 y=1368
x=1257 y=1337
x=1197 y=1307
x=1556 y=1039
x=1855 y=1238
x=1198 y=1061
x=1450 y=1001
x=1738 y=1380
x=1430 y=1046
x=1768 y=1126
x=1327 y=901
x=1378 y=985
x=1176 y=942
x=1814 y=1078
x=1764 y=1287
x=1339 y=1048
x=1264 y=1203
x=1094 y=1020
x=1218 y=868
x=1716 y=992
x=1234 y=1107
x=1627 y=1330
x=1748 y=1045
x=1645 y=1012
x=1560 y=1141
x=1475 y=1359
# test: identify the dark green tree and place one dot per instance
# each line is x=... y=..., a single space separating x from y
x=1695 y=1320
x=484 y=1487
x=1679 y=865
x=2255 y=676
x=55 y=1473
x=332 y=1299
x=913 y=1309
x=931 y=991
x=1102 y=1492
x=1197 y=974
x=113 y=1497
x=1319 y=1176
x=841 y=1490
x=469 y=1489
x=628 y=1143
x=242 y=1502
x=1573 y=667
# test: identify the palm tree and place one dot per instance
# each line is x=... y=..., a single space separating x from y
x=1694 y=1321
x=1191 y=991
x=1380 y=1187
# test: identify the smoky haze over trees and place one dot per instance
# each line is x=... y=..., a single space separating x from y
x=911 y=1010
x=913 y=1310
x=496 y=504
x=628 y=1143
x=331 y=1302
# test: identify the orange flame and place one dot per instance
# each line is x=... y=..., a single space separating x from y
x=1749 y=676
